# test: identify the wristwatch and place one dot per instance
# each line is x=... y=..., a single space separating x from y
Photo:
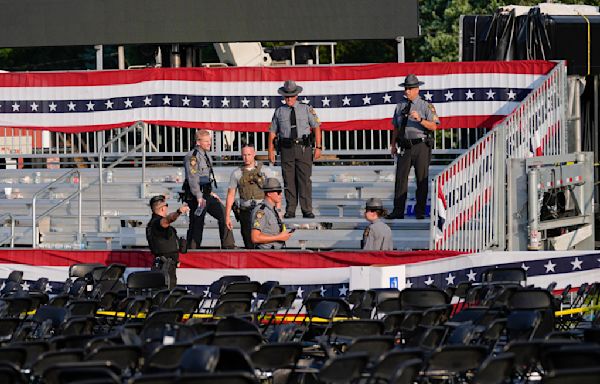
x=318 y=147
x=178 y=211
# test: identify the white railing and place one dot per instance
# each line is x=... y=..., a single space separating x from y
x=473 y=185
x=170 y=142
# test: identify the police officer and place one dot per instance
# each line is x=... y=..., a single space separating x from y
x=268 y=231
x=198 y=185
x=248 y=180
x=377 y=236
x=162 y=238
x=414 y=121
x=292 y=124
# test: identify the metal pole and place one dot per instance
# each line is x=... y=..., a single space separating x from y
x=401 y=56
x=33 y=239
x=595 y=130
x=533 y=211
x=175 y=56
x=79 y=231
x=99 y=57
x=144 y=138
x=121 y=55
x=100 y=174
x=12 y=231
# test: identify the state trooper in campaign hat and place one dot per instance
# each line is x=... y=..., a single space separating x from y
x=290 y=88
x=414 y=121
x=411 y=81
x=294 y=132
x=378 y=235
x=272 y=185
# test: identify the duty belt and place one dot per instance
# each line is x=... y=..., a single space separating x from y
x=299 y=141
x=416 y=141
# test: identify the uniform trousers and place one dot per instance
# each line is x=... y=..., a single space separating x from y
x=168 y=266
x=296 y=169
x=246 y=226
x=419 y=157
x=196 y=228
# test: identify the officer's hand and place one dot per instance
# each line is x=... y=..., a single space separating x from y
x=415 y=115
x=216 y=196
x=394 y=150
x=201 y=203
x=285 y=236
x=271 y=157
x=228 y=223
x=184 y=208
x=317 y=153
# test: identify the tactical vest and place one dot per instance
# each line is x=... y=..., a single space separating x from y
x=160 y=246
x=251 y=182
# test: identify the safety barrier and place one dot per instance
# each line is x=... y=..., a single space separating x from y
x=468 y=197
x=169 y=143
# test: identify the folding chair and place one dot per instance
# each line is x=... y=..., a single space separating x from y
x=269 y=358
x=345 y=368
x=407 y=372
x=218 y=378
x=125 y=357
x=246 y=341
x=11 y=374
x=165 y=358
x=91 y=372
x=495 y=370
x=454 y=361
x=387 y=365
x=199 y=359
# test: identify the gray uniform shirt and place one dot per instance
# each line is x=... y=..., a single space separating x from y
x=265 y=220
x=306 y=118
x=196 y=167
x=236 y=175
x=378 y=237
x=414 y=129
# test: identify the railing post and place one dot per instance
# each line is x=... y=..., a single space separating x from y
x=499 y=186
x=33 y=223
x=79 y=230
x=144 y=127
x=100 y=171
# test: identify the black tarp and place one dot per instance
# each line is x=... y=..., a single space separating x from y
x=29 y=23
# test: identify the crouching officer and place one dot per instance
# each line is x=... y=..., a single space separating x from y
x=162 y=238
x=378 y=235
x=268 y=231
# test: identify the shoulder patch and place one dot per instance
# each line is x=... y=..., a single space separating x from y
x=260 y=214
x=256 y=224
x=193 y=164
x=432 y=108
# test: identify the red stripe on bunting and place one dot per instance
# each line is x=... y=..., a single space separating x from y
x=223 y=260
x=353 y=125
x=242 y=74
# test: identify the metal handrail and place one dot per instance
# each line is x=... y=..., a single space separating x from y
x=12 y=229
x=101 y=153
x=34 y=218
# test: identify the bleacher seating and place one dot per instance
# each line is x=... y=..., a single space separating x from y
x=339 y=194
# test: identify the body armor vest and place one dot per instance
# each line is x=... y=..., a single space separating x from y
x=160 y=246
x=251 y=182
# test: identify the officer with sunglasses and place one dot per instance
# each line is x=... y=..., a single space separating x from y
x=162 y=238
